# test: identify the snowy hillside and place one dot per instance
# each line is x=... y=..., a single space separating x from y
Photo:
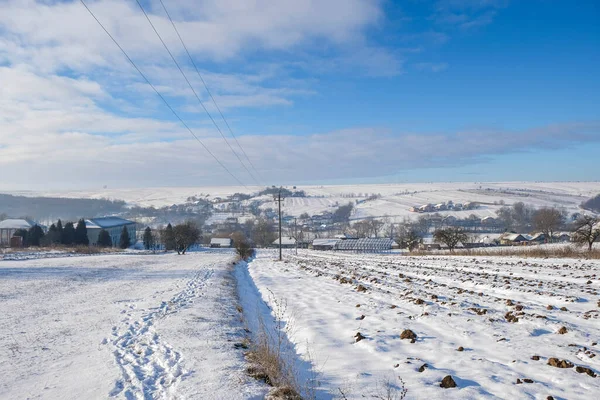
x=395 y=200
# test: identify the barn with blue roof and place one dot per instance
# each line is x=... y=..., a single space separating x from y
x=114 y=227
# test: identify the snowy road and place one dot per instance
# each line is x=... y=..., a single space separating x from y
x=121 y=326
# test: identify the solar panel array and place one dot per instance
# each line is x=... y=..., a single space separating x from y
x=365 y=245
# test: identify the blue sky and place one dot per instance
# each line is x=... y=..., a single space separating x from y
x=336 y=91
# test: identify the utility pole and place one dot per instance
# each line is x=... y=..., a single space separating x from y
x=296 y=235
x=278 y=199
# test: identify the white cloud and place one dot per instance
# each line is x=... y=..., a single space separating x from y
x=358 y=153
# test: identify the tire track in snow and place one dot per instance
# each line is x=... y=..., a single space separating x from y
x=151 y=368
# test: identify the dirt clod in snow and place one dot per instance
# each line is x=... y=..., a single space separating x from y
x=361 y=288
x=359 y=336
x=423 y=367
x=460 y=349
x=448 y=382
x=562 y=330
x=585 y=370
x=510 y=317
x=408 y=334
x=535 y=358
x=555 y=362
x=549 y=307
x=361 y=318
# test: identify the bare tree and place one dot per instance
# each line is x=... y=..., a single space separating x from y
x=409 y=237
x=263 y=234
x=361 y=229
x=548 y=220
x=451 y=237
x=587 y=231
x=242 y=245
x=186 y=234
x=374 y=226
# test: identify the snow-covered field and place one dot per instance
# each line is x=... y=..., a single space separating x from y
x=459 y=308
x=121 y=326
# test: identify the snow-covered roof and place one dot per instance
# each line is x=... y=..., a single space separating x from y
x=106 y=222
x=325 y=242
x=17 y=223
x=365 y=244
x=221 y=241
x=285 y=241
x=515 y=236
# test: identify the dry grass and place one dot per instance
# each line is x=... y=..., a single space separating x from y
x=524 y=252
x=269 y=360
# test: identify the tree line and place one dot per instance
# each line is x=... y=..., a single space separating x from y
x=69 y=234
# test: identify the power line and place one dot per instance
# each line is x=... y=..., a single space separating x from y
x=208 y=90
x=194 y=91
x=160 y=95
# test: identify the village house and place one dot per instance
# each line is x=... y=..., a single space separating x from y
x=513 y=239
x=287 y=242
x=324 y=244
x=8 y=227
x=220 y=243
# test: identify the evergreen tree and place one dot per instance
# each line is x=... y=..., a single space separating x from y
x=23 y=234
x=52 y=237
x=68 y=235
x=35 y=235
x=148 y=238
x=104 y=239
x=169 y=238
x=81 y=236
x=124 y=240
x=60 y=230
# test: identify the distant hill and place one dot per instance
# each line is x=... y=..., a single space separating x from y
x=592 y=204
x=56 y=207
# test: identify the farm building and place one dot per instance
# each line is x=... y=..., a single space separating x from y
x=220 y=242
x=488 y=220
x=286 y=242
x=365 y=245
x=539 y=238
x=324 y=244
x=429 y=244
x=114 y=227
x=561 y=237
x=8 y=227
x=512 y=239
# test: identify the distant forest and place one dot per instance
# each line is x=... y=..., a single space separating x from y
x=42 y=208
x=592 y=204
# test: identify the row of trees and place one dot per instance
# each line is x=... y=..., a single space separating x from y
x=179 y=237
x=68 y=235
